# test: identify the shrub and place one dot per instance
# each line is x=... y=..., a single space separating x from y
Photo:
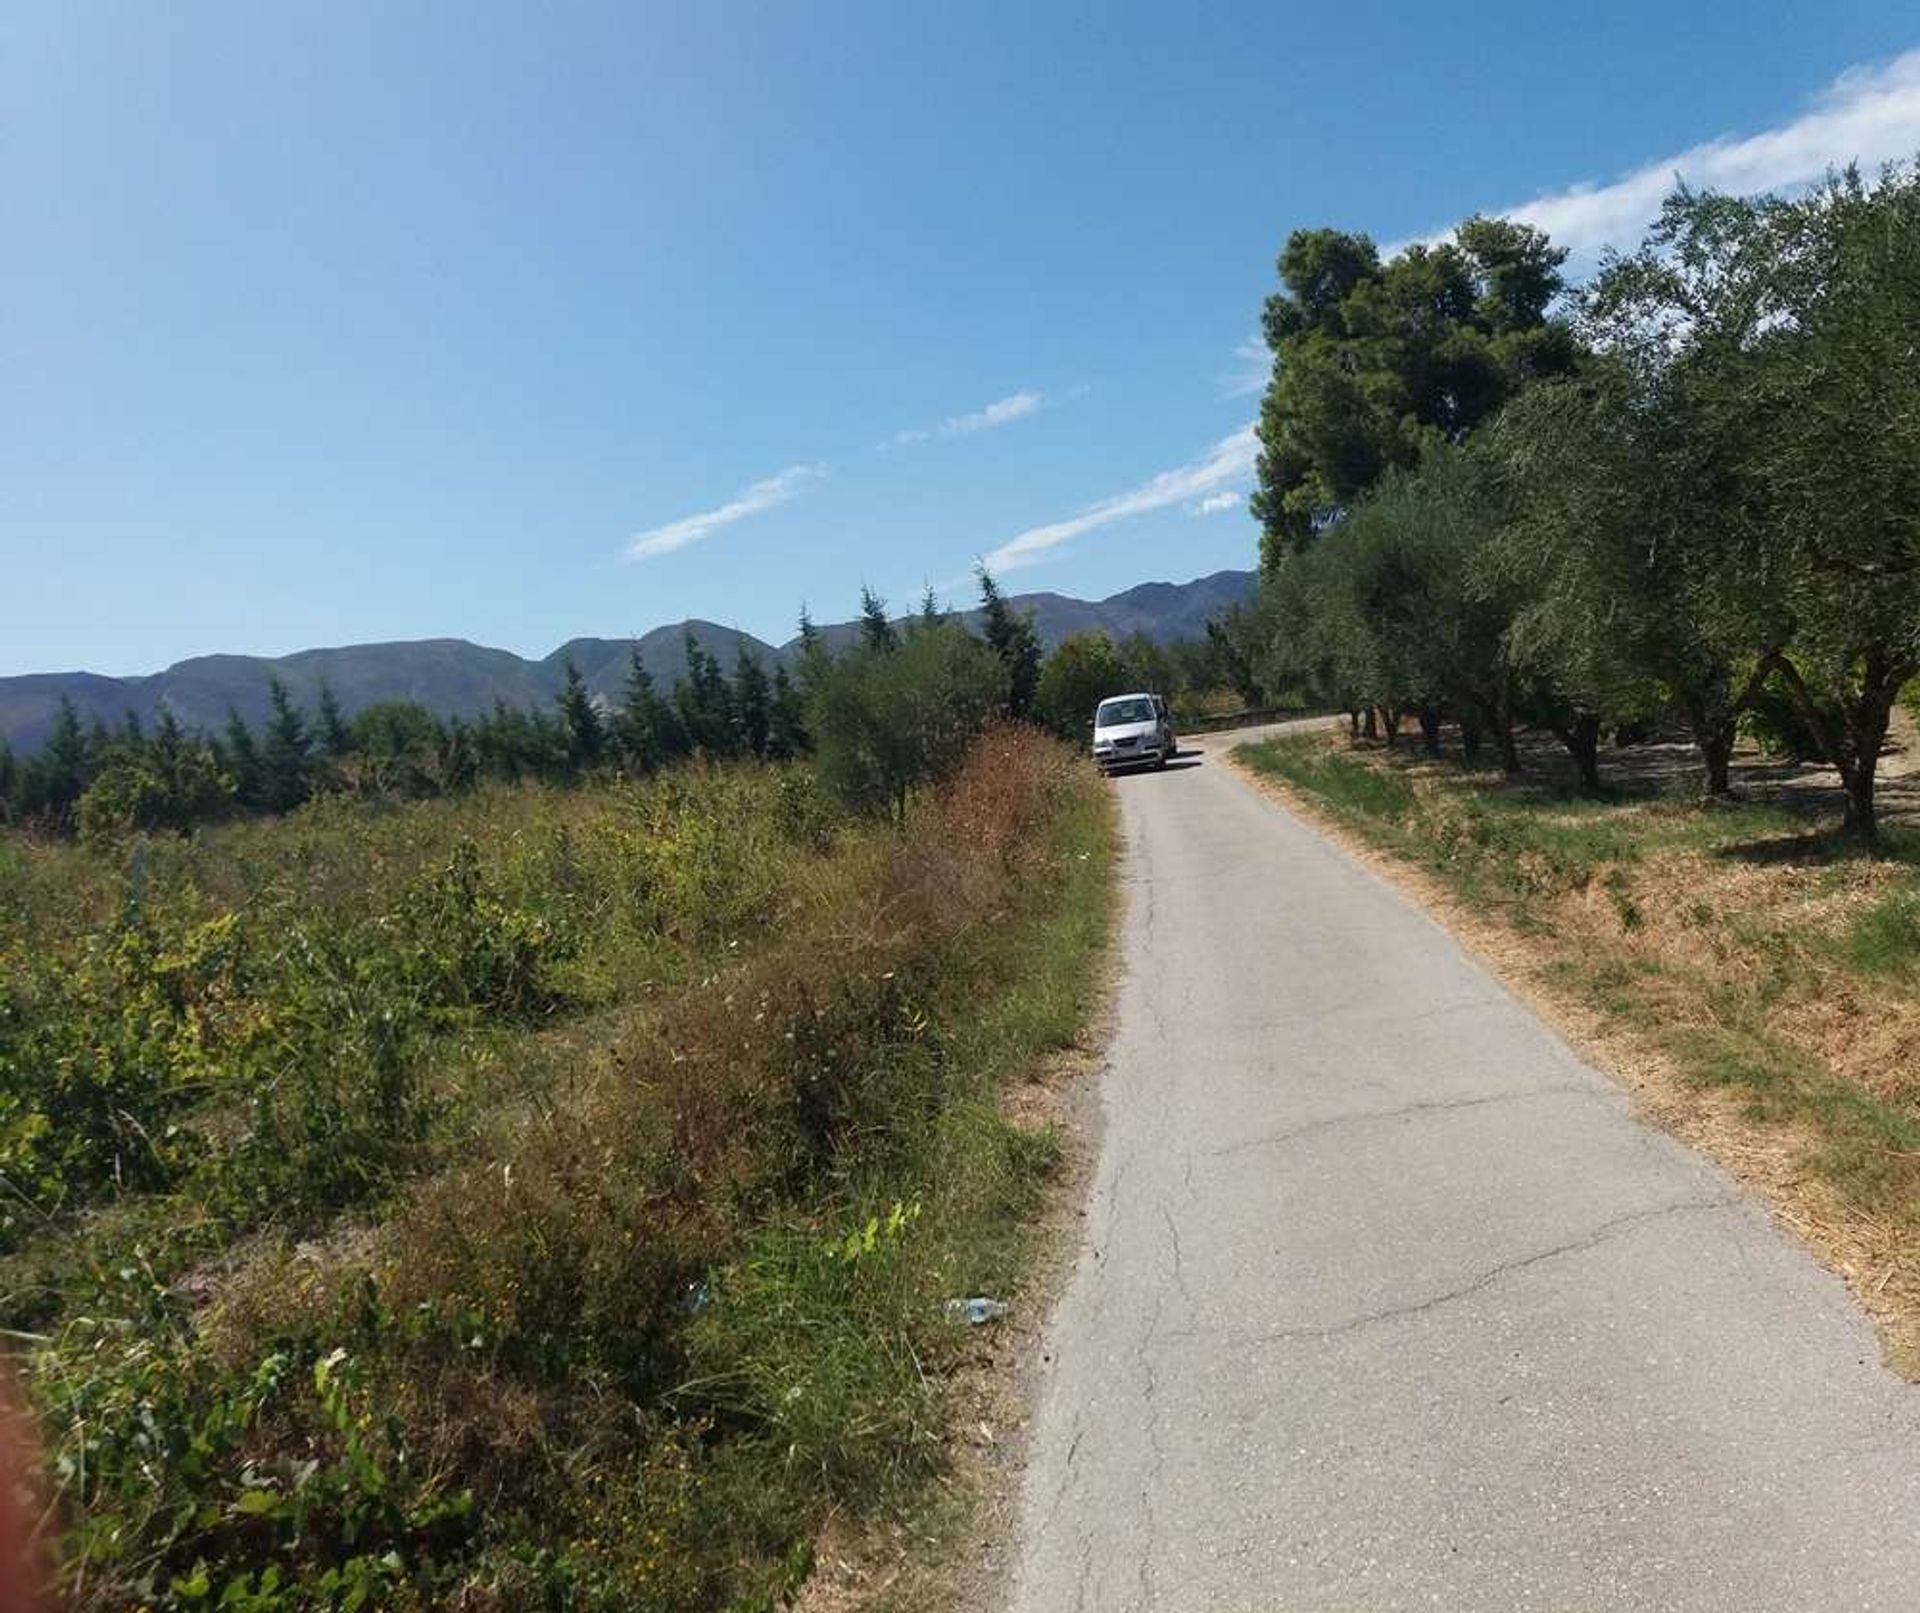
x=550 y=1360
x=888 y=718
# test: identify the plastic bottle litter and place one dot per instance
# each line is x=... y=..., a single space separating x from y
x=977 y=1310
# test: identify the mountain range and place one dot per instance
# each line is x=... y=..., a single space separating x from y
x=455 y=678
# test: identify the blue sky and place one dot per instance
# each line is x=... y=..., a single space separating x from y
x=330 y=322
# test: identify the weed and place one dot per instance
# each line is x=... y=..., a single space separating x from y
x=542 y=1199
x=1885 y=938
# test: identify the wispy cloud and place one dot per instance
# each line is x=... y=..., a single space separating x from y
x=1001 y=412
x=1252 y=368
x=1215 y=503
x=1869 y=115
x=756 y=500
x=1229 y=461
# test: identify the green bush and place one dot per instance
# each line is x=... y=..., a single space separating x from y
x=520 y=1155
x=890 y=717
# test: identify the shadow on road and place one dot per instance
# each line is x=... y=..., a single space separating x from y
x=1175 y=764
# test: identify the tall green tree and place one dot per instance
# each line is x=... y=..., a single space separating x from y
x=1148 y=664
x=752 y=702
x=586 y=732
x=1234 y=644
x=286 y=753
x=1398 y=609
x=787 y=736
x=1626 y=519
x=1010 y=635
x=333 y=732
x=646 y=728
x=1375 y=363
x=1780 y=329
x=814 y=655
x=887 y=720
x=1837 y=459
x=704 y=702
x=55 y=778
x=196 y=789
x=1083 y=670
x=876 y=631
x=240 y=760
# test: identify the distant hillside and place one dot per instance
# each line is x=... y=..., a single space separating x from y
x=455 y=678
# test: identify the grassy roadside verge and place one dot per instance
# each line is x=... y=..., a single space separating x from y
x=1757 y=985
x=697 y=1125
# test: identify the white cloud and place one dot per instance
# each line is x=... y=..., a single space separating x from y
x=1215 y=503
x=998 y=413
x=756 y=500
x=1869 y=115
x=1229 y=461
x=1252 y=368
x=1001 y=412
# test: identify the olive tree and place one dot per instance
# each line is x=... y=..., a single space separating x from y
x=1837 y=457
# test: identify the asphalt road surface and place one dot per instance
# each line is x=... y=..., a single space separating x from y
x=1385 y=1300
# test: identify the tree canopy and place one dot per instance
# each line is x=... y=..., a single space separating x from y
x=1376 y=363
x=1702 y=492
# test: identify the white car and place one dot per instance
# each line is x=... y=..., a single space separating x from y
x=1133 y=730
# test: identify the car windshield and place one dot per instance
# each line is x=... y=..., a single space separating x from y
x=1114 y=712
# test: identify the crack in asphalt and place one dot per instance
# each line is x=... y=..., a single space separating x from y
x=1156 y=1458
x=1364 y=1008
x=1275 y=1139
x=1604 y=1233
x=1212 y=1437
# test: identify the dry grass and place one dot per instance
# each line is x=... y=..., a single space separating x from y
x=1731 y=969
x=947 y=1554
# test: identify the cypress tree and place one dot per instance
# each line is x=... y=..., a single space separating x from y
x=649 y=730
x=705 y=703
x=1012 y=638
x=787 y=720
x=240 y=757
x=752 y=702
x=876 y=632
x=58 y=775
x=814 y=656
x=586 y=735
x=635 y=727
x=286 y=754
x=336 y=738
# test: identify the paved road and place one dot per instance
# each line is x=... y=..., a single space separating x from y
x=1386 y=1301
